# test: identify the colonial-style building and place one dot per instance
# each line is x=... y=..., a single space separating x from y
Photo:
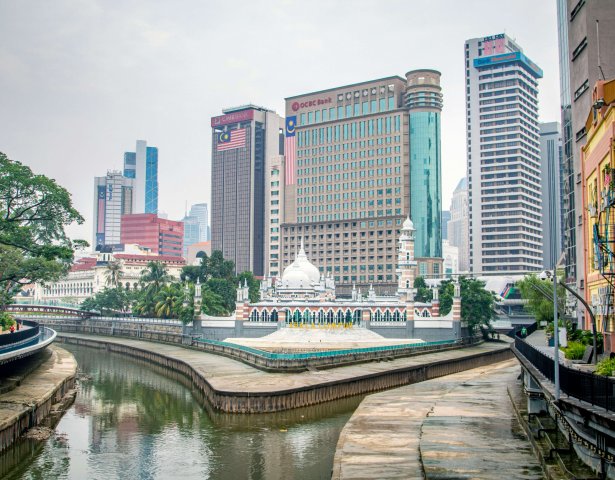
x=303 y=296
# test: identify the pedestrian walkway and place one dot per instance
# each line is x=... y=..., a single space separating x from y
x=538 y=339
x=458 y=426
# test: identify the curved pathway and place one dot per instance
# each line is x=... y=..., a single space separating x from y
x=459 y=426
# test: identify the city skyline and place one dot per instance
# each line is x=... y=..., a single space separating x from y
x=170 y=106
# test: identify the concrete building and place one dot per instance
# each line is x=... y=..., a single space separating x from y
x=161 y=236
x=450 y=254
x=598 y=207
x=89 y=275
x=347 y=177
x=201 y=212
x=243 y=141
x=550 y=177
x=192 y=230
x=503 y=157
x=580 y=69
x=142 y=166
x=446 y=216
x=113 y=197
x=458 y=225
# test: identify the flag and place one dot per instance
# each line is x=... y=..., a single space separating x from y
x=232 y=139
x=100 y=226
x=290 y=147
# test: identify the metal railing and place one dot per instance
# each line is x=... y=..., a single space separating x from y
x=594 y=389
x=331 y=353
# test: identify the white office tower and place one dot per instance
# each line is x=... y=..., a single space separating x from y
x=113 y=197
x=201 y=212
x=503 y=157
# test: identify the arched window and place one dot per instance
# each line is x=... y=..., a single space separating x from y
x=274 y=316
x=330 y=316
x=265 y=316
x=407 y=283
x=306 y=316
x=321 y=317
x=396 y=316
x=348 y=317
x=387 y=315
x=297 y=316
x=356 y=317
x=254 y=316
x=378 y=316
x=425 y=313
x=339 y=318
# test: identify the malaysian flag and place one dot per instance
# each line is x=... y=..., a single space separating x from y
x=232 y=139
x=290 y=148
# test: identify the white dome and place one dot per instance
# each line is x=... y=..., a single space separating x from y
x=408 y=225
x=305 y=267
x=294 y=277
x=309 y=268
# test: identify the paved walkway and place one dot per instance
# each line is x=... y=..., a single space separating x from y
x=460 y=426
x=228 y=375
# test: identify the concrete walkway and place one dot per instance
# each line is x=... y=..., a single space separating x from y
x=459 y=426
x=228 y=375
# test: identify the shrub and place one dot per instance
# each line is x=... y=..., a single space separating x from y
x=6 y=320
x=574 y=351
x=605 y=367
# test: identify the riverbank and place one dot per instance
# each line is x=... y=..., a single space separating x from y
x=35 y=395
x=459 y=426
x=235 y=387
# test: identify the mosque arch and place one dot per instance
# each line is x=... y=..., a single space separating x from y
x=274 y=315
x=339 y=318
x=356 y=317
x=321 y=317
x=330 y=316
x=348 y=317
x=254 y=315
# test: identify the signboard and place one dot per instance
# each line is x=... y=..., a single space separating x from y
x=234 y=117
x=507 y=58
x=296 y=106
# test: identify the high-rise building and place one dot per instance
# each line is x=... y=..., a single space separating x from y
x=424 y=103
x=113 y=197
x=348 y=166
x=201 y=212
x=243 y=141
x=550 y=177
x=446 y=216
x=161 y=236
x=192 y=231
x=458 y=225
x=503 y=157
x=580 y=25
x=142 y=166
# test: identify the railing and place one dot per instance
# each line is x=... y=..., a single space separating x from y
x=19 y=335
x=331 y=353
x=588 y=387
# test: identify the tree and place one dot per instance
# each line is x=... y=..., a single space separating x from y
x=539 y=296
x=212 y=303
x=446 y=290
x=155 y=276
x=169 y=301
x=423 y=292
x=217 y=267
x=226 y=289
x=34 y=210
x=109 y=301
x=190 y=273
x=477 y=303
x=114 y=273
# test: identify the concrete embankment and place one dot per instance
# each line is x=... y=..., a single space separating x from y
x=458 y=426
x=32 y=400
x=232 y=386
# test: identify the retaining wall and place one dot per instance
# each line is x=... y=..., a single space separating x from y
x=263 y=402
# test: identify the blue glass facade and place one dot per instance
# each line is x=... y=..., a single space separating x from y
x=151 y=180
x=425 y=183
x=130 y=164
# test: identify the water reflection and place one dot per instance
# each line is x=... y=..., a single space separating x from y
x=129 y=421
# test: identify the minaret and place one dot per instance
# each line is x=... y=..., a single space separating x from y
x=435 y=303
x=406 y=264
x=197 y=297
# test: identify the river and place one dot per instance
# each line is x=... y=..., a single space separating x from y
x=132 y=421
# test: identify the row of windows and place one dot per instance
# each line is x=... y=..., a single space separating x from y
x=349 y=111
x=348 y=215
x=347 y=131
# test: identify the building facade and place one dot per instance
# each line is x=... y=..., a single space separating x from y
x=585 y=28
x=347 y=176
x=503 y=157
x=142 y=166
x=192 y=231
x=162 y=236
x=458 y=225
x=201 y=212
x=113 y=197
x=550 y=177
x=243 y=139
x=598 y=162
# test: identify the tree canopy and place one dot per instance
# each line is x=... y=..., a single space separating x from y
x=477 y=303
x=539 y=296
x=34 y=210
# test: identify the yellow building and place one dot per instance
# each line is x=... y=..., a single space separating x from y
x=598 y=163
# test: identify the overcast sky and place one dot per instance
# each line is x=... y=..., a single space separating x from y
x=82 y=80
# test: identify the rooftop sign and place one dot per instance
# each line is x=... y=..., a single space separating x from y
x=508 y=58
x=234 y=117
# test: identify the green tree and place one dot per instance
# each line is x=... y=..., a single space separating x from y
x=212 y=303
x=423 y=292
x=113 y=273
x=226 y=289
x=446 y=290
x=477 y=303
x=34 y=210
x=169 y=301
x=108 y=301
x=217 y=267
x=539 y=296
x=190 y=273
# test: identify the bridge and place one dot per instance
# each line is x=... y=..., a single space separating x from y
x=48 y=310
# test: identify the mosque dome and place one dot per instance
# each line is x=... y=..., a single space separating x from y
x=300 y=271
x=408 y=225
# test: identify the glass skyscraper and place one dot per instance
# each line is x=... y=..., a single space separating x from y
x=142 y=166
x=424 y=102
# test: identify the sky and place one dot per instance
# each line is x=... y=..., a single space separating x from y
x=82 y=80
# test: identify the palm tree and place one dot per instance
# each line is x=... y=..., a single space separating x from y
x=169 y=301
x=114 y=273
x=155 y=276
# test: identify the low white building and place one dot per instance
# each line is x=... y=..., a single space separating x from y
x=90 y=275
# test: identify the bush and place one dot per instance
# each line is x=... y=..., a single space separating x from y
x=6 y=320
x=574 y=350
x=605 y=367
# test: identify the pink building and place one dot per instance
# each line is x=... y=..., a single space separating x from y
x=162 y=236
